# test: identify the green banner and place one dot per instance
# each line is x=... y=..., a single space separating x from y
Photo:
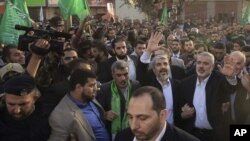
x=74 y=7
x=35 y=2
x=15 y=13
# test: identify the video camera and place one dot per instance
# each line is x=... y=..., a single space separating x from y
x=56 y=44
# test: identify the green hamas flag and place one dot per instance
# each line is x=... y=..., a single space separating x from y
x=74 y=7
x=164 y=17
x=16 y=13
x=244 y=19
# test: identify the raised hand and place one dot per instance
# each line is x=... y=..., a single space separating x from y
x=228 y=68
x=153 y=42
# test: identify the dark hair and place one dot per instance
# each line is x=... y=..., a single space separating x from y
x=6 y=52
x=80 y=76
x=84 y=47
x=100 y=47
x=219 y=45
x=139 y=42
x=240 y=43
x=156 y=95
x=116 y=40
x=68 y=49
x=76 y=63
x=119 y=64
x=99 y=33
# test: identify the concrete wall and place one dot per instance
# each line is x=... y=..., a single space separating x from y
x=127 y=12
x=207 y=9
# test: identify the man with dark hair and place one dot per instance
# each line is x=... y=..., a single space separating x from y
x=23 y=117
x=114 y=97
x=204 y=99
x=78 y=112
x=176 y=48
x=84 y=50
x=69 y=54
x=147 y=119
x=58 y=90
x=11 y=54
x=120 y=50
x=219 y=51
x=57 y=23
x=140 y=46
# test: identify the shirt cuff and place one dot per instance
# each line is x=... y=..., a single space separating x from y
x=146 y=57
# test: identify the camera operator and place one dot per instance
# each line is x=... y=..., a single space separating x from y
x=57 y=23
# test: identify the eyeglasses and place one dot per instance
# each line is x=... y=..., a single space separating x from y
x=69 y=58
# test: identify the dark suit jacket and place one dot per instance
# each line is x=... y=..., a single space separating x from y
x=148 y=78
x=217 y=92
x=171 y=134
x=241 y=105
x=104 y=98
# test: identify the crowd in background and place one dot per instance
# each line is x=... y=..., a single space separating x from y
x=82 y=89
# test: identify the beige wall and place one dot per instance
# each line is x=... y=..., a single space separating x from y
x=206 y=9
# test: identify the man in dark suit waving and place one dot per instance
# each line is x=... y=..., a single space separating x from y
x=205 y=99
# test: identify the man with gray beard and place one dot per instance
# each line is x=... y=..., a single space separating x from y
x=158 y=75
x=205 y=99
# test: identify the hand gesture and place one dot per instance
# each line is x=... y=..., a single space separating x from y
x=110 y=115
x=245 y=80
x=39 y=48
x=228 y=68
x=225 y=107
x=153 y=42
x=187 y=111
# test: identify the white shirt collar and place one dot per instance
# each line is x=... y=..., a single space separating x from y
x=203 y=81
x=168 y=81
x=176 y=54
x=160 y=135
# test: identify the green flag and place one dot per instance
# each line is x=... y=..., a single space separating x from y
x=74 y=7
x=244 y=19
x=164 y=17
x=16 y=12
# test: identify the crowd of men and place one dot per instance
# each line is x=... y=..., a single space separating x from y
x=133 y=82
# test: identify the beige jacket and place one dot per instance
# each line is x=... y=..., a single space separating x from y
x=67 y=118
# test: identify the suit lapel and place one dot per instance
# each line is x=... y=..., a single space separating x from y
x=169 y=134
x=209 y=88
x=79 y=116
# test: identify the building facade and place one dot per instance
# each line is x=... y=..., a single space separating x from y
x=207 y=10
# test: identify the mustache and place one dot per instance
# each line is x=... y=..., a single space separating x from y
x=201 y=69
x=123 y=81
x=164 y=70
